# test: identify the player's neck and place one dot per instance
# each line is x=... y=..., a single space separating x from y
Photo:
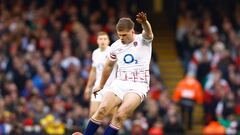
x=131 y=40
x=103 y=48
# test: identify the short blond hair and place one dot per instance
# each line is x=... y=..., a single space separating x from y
x=124 y=24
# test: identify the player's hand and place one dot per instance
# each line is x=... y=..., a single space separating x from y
x=87 y=94
x=141 y=17
x=96 y=90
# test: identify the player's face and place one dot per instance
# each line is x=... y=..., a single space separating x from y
x=126 y=36
x=103 y=41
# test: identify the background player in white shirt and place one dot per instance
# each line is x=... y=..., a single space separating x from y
x=132 y=53
x=99 y=57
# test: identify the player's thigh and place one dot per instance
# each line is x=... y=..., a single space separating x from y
x=130 y=102
x=110 y=101
x=93 y=107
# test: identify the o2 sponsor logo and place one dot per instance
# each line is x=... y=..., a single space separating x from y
x=128 y=59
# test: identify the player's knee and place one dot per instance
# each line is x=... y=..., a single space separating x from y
x=102 y=111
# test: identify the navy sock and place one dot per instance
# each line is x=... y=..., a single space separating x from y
x=110 y=131
x=91 y=127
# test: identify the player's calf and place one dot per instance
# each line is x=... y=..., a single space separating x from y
x=100 y=113
x=119 y=118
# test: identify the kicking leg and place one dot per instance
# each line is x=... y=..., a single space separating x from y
x=130 y=102
x=110 y=100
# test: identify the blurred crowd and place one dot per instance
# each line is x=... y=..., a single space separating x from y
x=208 y=42
x=45 y=58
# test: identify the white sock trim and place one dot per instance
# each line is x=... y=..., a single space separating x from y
x=114 y=127
x=95 y=121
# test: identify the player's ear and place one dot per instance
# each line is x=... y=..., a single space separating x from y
x=133 y=32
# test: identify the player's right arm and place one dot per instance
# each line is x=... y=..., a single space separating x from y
x=147 y=29
x=90 y=83
x=108 y=67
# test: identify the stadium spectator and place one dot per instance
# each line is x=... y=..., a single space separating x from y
x=214 y=128
x=45 y=58
x=188 y=92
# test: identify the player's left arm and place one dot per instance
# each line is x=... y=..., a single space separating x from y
x=147 y=29
x=108 y=67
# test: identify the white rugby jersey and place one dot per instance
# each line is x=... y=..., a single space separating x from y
x=133 y=59
x=99 y=57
